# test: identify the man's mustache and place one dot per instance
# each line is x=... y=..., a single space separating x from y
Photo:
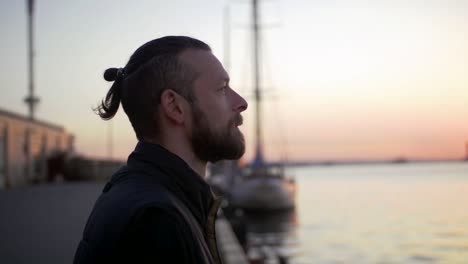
x=238 y=120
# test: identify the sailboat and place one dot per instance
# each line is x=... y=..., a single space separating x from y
x=262 y=186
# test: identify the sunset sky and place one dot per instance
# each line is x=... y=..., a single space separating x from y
x=343 y=79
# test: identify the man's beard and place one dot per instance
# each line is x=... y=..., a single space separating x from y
x=210 y=145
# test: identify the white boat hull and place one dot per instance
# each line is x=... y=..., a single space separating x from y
x=264 y=193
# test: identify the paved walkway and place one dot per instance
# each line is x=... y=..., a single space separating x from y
x=229 y=246
x=44 y=223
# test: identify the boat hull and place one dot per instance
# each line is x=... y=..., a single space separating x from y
x=264 y=194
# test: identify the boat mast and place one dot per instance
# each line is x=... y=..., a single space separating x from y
x=256 y=48
x=227 y=39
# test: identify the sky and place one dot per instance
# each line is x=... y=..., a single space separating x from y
x=342 y=79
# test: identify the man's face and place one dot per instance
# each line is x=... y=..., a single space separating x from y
x=214 y=132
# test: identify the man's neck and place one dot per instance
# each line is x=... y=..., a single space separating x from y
x=186 y=154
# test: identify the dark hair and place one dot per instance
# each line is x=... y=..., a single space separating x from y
x=153 y=68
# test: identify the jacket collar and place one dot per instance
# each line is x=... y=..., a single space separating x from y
x=177 y=176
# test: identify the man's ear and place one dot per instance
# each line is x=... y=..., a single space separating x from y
x=172 y=106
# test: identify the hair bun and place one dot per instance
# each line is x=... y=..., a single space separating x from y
x=110 y=74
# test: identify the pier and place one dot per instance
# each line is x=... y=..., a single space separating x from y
x=44 y=223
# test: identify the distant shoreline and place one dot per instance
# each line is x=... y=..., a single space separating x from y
x=361 y=162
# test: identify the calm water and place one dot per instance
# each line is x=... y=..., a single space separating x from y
x=405 y=213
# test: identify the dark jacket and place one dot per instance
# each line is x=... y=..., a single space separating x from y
x=155 y=209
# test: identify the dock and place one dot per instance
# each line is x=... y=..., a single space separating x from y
x=44 y=223
x=231 y=250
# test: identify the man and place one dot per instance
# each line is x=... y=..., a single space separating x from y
x=158 y=208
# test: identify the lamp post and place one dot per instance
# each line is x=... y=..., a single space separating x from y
x=31 y=100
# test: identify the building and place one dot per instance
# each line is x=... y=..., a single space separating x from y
x=26 y=146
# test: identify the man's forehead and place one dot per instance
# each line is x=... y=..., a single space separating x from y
x=204 y=62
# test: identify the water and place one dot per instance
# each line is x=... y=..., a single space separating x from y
x=402 y=213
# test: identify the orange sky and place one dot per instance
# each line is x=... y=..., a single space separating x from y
x=343 y=79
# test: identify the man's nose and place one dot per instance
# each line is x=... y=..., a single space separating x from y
x=239 y=103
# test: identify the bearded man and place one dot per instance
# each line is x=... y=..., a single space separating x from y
x=158 y=207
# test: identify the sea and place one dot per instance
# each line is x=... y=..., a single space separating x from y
x=405 y=213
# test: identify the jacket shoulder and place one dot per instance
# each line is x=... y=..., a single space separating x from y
x=127 y=194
